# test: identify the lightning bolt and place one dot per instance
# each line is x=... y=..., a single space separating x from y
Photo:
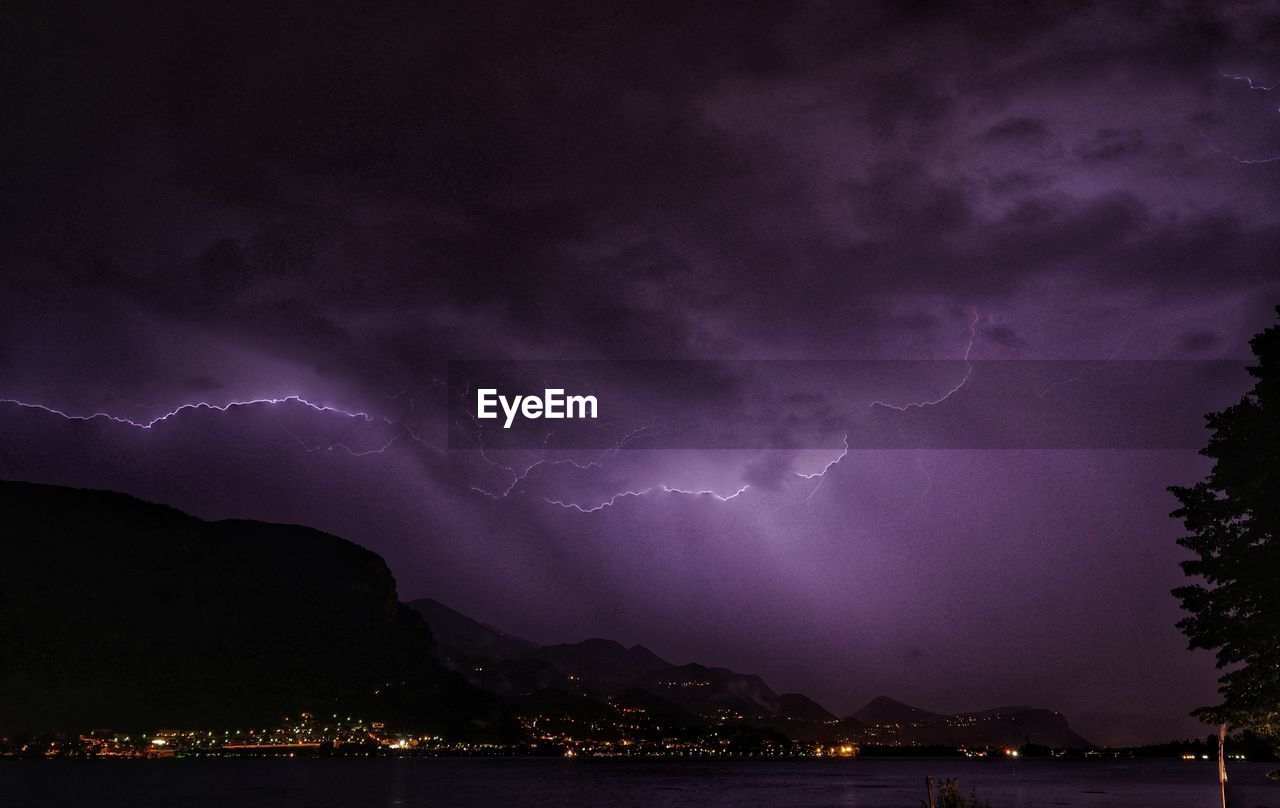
x=968 y=371
x=1226 y=152
x=201 y=405
x=1248 y=81
x=518 y=473
x=819 y=475
x=519 y=476
x=656 y=489
x=665 y=489
x=405 y=430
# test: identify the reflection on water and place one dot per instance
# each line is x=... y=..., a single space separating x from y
x=467 y=783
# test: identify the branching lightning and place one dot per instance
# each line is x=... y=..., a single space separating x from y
x=1227 y=152
x=968 y=371
x=657 y=489
x=819 y=475
x=518 y=474
x=404 y=429
x=1249 y=81
x=200 y=405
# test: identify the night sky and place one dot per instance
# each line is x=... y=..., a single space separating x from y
x=237 y=203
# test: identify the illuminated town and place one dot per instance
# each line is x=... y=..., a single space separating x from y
x=632 y=731
x=628 y=731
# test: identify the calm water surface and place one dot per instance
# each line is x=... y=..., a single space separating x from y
x=865 y=783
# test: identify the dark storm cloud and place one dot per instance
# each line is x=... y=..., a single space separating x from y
x=1196 y=341
x=1004 y=335
x=202 y=384
x=1019 y=130
x=1112 y=144
x=554 y=172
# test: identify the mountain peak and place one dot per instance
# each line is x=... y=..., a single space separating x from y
x=605 y=665
x=1001 y=726
x=884 y=710
x=800 y=706
x=455 y=630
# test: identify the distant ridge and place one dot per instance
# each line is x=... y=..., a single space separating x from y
x=583 y=673
x=603 y=665
x=473 y=638
x=708 y=690
x=898 y=723
x=799 y=706
x=884 y=710
x=116 y=612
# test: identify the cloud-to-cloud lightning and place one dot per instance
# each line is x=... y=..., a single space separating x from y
x=817 y=475
x=199 y=405
x=968 y=371
x=1249 y=81
x=518 y=474
x=1213 y=147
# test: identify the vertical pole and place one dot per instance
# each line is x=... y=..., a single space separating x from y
x=928 y=785
x=1222 y=762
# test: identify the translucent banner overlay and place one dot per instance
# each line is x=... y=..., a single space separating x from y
x=864 y=404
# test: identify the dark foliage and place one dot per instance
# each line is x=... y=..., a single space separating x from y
x=949 y=796
x=1232 y=518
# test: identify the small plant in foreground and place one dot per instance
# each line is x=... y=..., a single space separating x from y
x=949 y=796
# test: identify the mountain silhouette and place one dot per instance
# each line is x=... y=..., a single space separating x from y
x=884 y=710
x=570 y=679
x=120 y=613
x=898 y=723
x=800 y=707
x=454 y=630
x=712 y=690
x=605 y=666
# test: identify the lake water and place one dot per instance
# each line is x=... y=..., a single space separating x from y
x=468 y=783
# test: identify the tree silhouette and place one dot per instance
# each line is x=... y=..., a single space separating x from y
x=1232 y=518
